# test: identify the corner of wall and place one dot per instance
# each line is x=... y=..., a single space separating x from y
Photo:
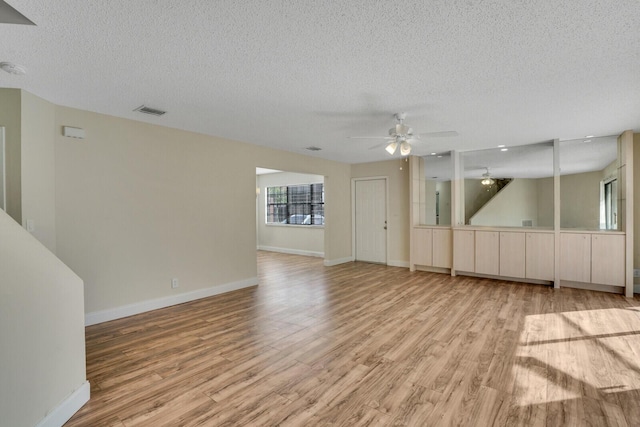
x=11 y=113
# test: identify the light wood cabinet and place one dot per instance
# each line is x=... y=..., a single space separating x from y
x=464 y=245
x=586 y=257
x=575 y=257
x=423 y=246
x=487 y=252
x=540 y=256
x=432 y=247
x=512 y=254
x=442 y=249
x=607 y=259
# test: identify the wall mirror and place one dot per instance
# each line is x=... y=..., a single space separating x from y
x=509 y=186
x=435 y=189
x=3 y=180
x=589 y=184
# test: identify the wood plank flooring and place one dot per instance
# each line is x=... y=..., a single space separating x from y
x=369 y=345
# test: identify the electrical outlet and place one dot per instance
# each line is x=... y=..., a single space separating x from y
x=174 y=283
x=636 y=272
x=31 y=226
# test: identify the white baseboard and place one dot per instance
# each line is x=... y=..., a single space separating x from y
x=65 y=410
x=291 y=251
x=332 y=262
x=398 y=264
x=154 y=304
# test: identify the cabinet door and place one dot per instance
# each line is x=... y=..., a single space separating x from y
x=488 y=252
x=540 y=256
x=464 y=250
x=442 y=250
x=607 y=259
x=512 y=254
x=422 y=244
x=575 y=257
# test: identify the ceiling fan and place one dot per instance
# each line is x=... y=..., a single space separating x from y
x=402 y=136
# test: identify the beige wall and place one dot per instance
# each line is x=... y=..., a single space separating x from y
x=29 y=132
x=545 y=202
x=42 y=361
x=139 y=204
x=398 y=203
x=428 y=212
x=295 y=239
x=10 y=118
x=38 y=167
x=580 y=200
x=444 y=187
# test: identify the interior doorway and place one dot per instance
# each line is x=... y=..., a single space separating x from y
x=290 y=212
x=370 y=220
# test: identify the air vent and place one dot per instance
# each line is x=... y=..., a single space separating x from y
x=148 y=110
x=313 y=148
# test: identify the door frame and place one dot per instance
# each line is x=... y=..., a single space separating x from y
x=353 y=214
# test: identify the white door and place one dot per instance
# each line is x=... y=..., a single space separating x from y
x=371 y=220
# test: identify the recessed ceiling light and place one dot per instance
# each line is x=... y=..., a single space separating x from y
x=589 y=136
x=504 y=149
x=500 y=146
x=439 y=157
x=433 y=154
x=587 y=140
x=12 y=68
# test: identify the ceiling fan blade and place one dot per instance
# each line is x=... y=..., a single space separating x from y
x=382 y=144
x=371 y=137
x=8 y=15
x=443 y=134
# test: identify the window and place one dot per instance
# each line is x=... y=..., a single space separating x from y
x=609 y=204
x=296 y=204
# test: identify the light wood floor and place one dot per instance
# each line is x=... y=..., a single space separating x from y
x=361 y=344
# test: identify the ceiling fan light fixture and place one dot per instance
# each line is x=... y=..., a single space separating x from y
x=486 y=179
x=405 y=148
x=391 y=148
x=402 y=135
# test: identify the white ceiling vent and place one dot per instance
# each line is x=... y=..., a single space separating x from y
x=313 y=148
x=148 y=110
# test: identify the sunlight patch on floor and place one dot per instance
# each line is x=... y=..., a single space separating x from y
x=570 y=355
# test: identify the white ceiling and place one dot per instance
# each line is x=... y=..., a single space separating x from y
x=294 y=74
x=265 y=171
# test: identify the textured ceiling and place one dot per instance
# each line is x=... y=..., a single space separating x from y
x=294 y=74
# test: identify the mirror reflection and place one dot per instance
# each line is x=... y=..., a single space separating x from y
x=435 y=189
x=589 y=184
x=509 y=186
